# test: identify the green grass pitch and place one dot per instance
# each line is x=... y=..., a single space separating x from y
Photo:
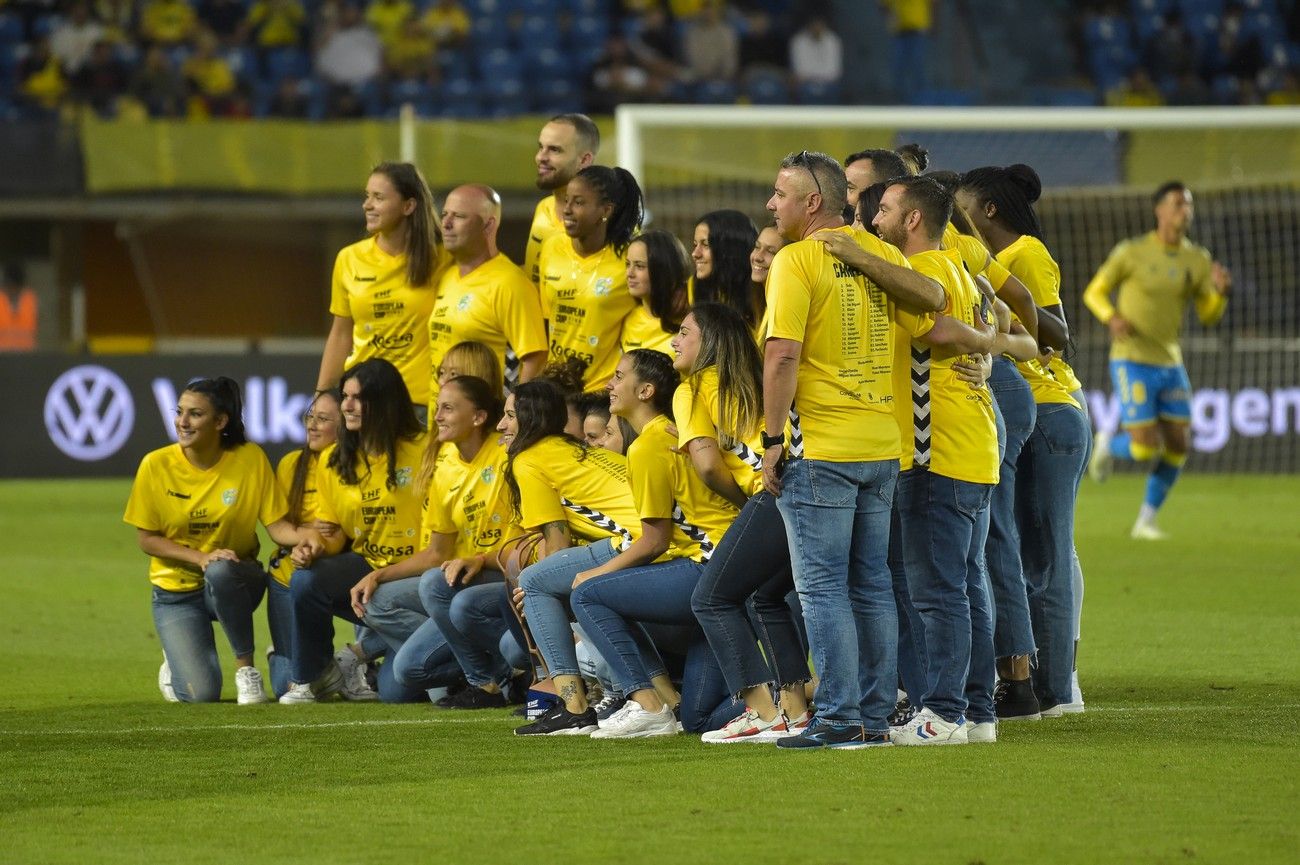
x=1190 y=665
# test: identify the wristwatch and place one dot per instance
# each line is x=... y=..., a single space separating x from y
x=772 y=441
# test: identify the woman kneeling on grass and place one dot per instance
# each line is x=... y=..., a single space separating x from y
x=681 y=520
x=195 y=505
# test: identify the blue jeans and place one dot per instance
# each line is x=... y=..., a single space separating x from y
x=659 y=593
x=469 y=618
x=1012 y=632
x=319 y=593
x=395 y=612
x=1045 y=490
x=1076 y=569
x=943 y=544
x=911 y=631
x=425 y=660
x=547 y=586
x=837 y=523
x=750 y=572
x=231 y=592
x=279 y=617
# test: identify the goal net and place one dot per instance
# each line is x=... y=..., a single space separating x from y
x=1099 y=168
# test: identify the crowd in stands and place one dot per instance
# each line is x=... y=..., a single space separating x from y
x=1193 y=52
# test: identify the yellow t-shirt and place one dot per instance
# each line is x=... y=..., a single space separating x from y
x=276 y=24
x=212 y=76
x=494 y=304
x=975 y=256
x=911 y=15
x=586 y=487
x=697 y=414
x=585 y=300
x=546 y=224
x=384 y=524
x=281 y=567
x=471 y=501
x=665 y=486
x=446 y=24
x=1031 y=263
x=167 y=21
x=203 y=509
x=1155 y=284
x=642 y=330
x=389 y=317
x=950 y=425
x=386 y=18
x=844 y=400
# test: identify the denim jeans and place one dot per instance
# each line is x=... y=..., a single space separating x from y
x=1076 y=569
x=231 y=592
x=279 y=617
x=319 y=593
x=395 y=612
x=943 y=543
x=547 y=586
x=1012 y=632
x=837 y=523
x=469 y=618
x=1045 y=488
x=911 y=631
x=425 y=660
x=740 y=601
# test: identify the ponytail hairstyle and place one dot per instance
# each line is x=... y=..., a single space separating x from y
x=915 y=157
x=388 y=417
x=1012 y=191
x=540 y=412
x=424 y=237
x=480 y=395
x=727 y=343
x=732 y=235
x=618 y=187
x=307 y=460
x=951 y=181
x=656 y=368
x=224 y=395
x=670 y=268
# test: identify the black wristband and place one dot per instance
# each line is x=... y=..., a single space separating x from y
x=772 y=441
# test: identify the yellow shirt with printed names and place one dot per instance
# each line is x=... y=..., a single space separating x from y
x=641 y=329
x=203 y=509
x=975 y=255
x=844 y=399
x=963 y=429
x=471 y=501
x=585 y=299
x=390 y=318
x=697 y=413
x=494 y=304
x=587 y=488
x=282 y=567
x=383 y=523
x=666 y=486
x=1155 y=282
x=1030 y=262
x=546 y=224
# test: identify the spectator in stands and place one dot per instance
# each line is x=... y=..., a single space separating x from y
x=762 y=40
x=74 y=38
x=225 y=18
x=387 y=18
x=157 y=85
x=654 y=44
x=350 y=57
x=408 y=56
x=19 y=308
x=1190 y=89
x=615 y=78
x=101 y=80
x=711 y=46
x=275 y=23
x=1135 y=91
x=816 y=53
x=1284 y=90
x=912 y=21
x=118 y=18
x=290 y=99
x=167 y=22
x=447 y=23
x=1170 y=52
x=1237 y=51
x=211 y=80
x=41 y=85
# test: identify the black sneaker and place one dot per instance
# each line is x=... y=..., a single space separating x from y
x=903 y=712
x=1015 y=701
x=559 y=721
x=473 y=698
x=516 y=689
x=819 y=734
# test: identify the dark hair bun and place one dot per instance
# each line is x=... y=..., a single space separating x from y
x=1027 y=179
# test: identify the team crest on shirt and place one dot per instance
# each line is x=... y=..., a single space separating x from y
x=464 y=302
x=487 y=475
x=403 y=476
x=604 y=285
x=230 y=496
x=593 y=340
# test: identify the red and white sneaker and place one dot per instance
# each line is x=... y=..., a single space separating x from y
x=749 y=727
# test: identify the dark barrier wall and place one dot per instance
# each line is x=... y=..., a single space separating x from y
x=97 y=416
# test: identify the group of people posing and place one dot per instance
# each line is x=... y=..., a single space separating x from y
x=849 y=438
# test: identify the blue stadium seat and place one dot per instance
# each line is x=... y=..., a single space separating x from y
x=767 y=87
x=817 y=93
x=1111 y=64
x=11 y=29
x=538 y=31
x=588 y=30
x=506 y=97
x=461 y=98
x=416 y=93
x=489 y=32
x=500 y=63
x=1226 y=90
x=284 y=63
x=586 y=7
x=715 y=93
x=1101 y=31
x=1146 y=26
x=951 y=96
x=43 y=26
x=1063 y=97
x=1139 y=8
x=242 y=60
x=547 y=64
x=555 y=96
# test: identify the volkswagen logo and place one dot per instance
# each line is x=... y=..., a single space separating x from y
x=89 y=413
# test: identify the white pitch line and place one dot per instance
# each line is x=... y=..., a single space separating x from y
x=420 y=722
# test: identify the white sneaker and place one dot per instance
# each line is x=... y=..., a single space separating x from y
x=983 y=733
x=1144 y=530
x=1103 y=461
x=298 y=693
x=165 y=682
x=353 y=669
x=747 y=727
x=249 y=688
x=1075 y=706
x=634 y=722
x=927 y=728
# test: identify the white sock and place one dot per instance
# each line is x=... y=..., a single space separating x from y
x=1147 y=514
